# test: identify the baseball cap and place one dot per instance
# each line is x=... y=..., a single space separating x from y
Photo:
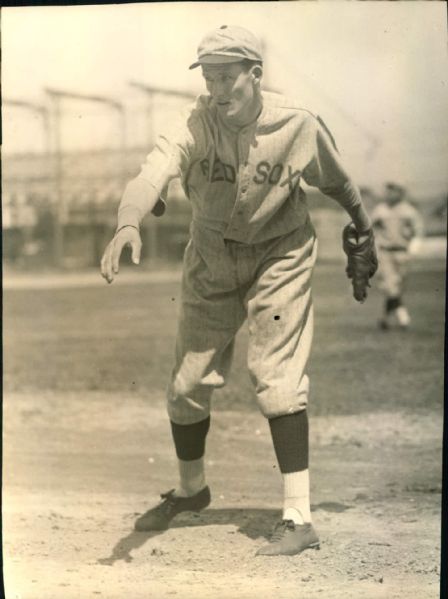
x=228 y=44
x=394 y=186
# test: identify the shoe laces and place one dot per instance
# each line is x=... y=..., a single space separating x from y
x=169 y=501
x=280 y=529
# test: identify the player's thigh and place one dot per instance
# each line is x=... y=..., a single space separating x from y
x=210 y=315
x=211 y=304
x=384 y=265
x=401 y=260
x=280 y=301
x=388 y=276
x=280 y=318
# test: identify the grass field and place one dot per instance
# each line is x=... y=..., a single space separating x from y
x=120 y=338
x=87 y=448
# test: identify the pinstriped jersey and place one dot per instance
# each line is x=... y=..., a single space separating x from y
x=396 y=225
x=246 y=182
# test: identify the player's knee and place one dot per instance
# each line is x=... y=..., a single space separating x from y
x=277 y=403
x=274 y=410
x=179 y=387
x=181 y=411
x=186 y=405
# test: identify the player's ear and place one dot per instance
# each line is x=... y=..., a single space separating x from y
x=256 y=73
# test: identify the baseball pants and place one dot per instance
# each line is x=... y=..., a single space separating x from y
x=392 y=271
x=224 y=282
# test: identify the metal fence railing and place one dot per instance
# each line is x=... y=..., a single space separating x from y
x=68 y=221
x=59 y=205
x=63 y=199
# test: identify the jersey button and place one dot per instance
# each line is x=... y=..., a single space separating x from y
x=243 y=189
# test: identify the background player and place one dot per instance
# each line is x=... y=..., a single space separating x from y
x=396 y=223
x=241 y=154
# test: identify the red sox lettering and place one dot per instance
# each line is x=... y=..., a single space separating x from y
x=265 y=173
x=220 y=171
x=273 y=175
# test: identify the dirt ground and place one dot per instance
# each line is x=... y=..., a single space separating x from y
x=80 y=464
x=78 y=475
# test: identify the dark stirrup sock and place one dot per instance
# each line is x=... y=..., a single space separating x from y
x=392 y=303
x=290 y=439
x=189 y=439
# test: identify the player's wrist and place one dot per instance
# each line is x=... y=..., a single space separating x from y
x=362 y=228
x=120 y=228
x=360 y=231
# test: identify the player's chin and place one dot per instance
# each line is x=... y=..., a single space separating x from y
x=231 y=111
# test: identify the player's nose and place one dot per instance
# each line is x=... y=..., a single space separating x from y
x=219 y=89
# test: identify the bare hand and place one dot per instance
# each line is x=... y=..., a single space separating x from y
x=128 y=236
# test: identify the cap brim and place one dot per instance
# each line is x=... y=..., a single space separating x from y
x=216 y=59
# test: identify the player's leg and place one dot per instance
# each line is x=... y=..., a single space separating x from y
x=210 y=315
x=386 y=278
x=189 y=442
x=196 y=375
x=391 y=304
x=291 y=444
x=295 y=532
x=392 y=272
x=401 y=260
x=280 y=318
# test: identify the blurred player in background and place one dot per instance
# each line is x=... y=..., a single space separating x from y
x=396 y=224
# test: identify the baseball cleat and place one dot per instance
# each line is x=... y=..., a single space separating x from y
x=290 y=538
x=160 y=516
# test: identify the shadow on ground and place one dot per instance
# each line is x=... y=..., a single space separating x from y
x=253 y=523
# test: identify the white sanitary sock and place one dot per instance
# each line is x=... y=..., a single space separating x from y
x=403 y=317
x=296 y=502
x=191 y=477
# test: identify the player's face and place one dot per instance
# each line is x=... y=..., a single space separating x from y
x=233 y=90
x=393 y=195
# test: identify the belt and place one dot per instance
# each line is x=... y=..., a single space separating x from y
x=394 y=248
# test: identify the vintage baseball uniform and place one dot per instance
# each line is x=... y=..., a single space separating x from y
x=395 y=226
x=252 y=247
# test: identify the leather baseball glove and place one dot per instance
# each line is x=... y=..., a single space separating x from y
x=362 y=261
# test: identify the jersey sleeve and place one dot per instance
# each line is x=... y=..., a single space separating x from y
x=413 y=221
x=173 y=150
x=326 y=172
x=170 y=158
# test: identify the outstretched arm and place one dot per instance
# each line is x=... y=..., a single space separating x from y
x=166 y=161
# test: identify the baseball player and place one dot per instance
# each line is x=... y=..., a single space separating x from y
x=396 y=223
x=241 y=155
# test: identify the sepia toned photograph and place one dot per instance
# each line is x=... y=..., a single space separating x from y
x=224 y=237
